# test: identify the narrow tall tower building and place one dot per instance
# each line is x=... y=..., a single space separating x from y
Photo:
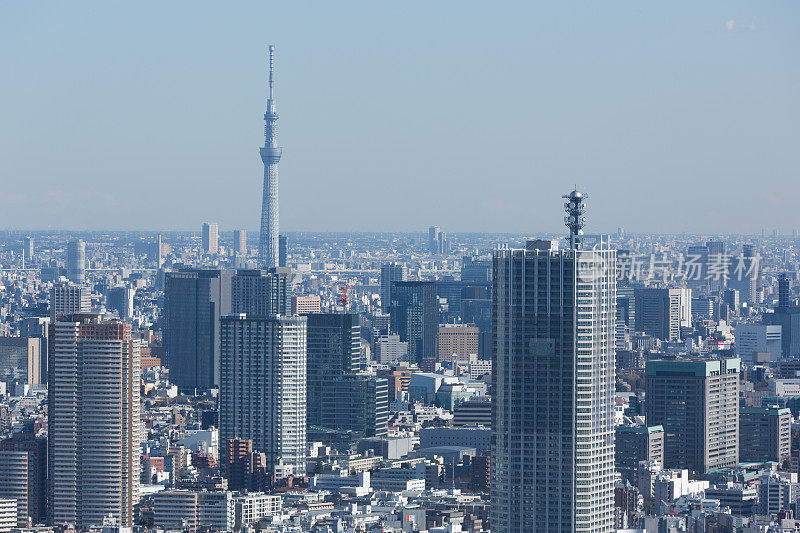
x=552 y=421
x=93 y=421
x=270 y=155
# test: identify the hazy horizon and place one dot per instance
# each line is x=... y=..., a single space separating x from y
x=673 y=118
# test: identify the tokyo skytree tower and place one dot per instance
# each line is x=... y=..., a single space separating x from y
x=270 y=155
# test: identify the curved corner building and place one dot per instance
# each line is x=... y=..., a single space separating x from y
x=270 y=155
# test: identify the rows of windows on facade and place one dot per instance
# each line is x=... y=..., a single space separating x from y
x=404 y=381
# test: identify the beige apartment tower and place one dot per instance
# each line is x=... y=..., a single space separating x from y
x=94 y=418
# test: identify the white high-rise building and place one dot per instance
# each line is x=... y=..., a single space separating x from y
x=211 y=238
x=94 y=429
x=69 y=299
x=263 y=386
x=554 y=322
x=76 y=261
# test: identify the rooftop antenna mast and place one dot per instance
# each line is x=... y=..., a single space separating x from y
x=575 y=220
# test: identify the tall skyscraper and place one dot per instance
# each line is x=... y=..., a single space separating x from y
x=787 y=316
x=27 y=250
x=391 y=272
x=334 y=350
x=784 y=291
x=210 y=238
x=553 y=381
x=193 y=302
x=414 y=316
x=120 y=299
x=270 y=155
x=76 y=261
x=658 y=312
x=240 y=241
x=437 y=241
x=93 y=421
x=744 y=274
x=697 y=403
x=263 y=387
x=283 y=250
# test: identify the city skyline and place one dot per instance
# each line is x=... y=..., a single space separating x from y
x=705 y=105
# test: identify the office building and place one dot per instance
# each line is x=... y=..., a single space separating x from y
x=553 y=381
x=26 y=450
x=263 y=387
x=193 y=302
x=93 y=421
x=696 y=268
x=637 y=443
x=397 y=380
x=304 y=305
x=658 y=312
x=37 y=327
x=697 y=403
x=283 y=250
x=457 y=342
x=717 y=266
x=357 y=403
x=334 y=350
x=413 y=312
x=240 y=242
x=76 y=261
x=389 y=348
x=787 y=316
x=28 y=251
x=210 y=238
x=473 y=412
x=391 y=272
x=20 y=361
x=740 y=498
x=68 y=299
x=268 y=246
x=437 y=241
x=776 y=494
x=181 y=509
x=765 y=434
x=744 y=271
x=758 y=343
x=476 y=271
x=261 y=292
x=120 y=299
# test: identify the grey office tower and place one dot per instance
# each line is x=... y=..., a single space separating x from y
x=553 y=380
x=193 y=302
x=391 y=272
x=334 y=350
x=414 y=316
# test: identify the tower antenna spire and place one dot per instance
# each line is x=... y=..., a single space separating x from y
x=271 y=67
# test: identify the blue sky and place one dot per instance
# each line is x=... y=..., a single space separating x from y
x=395 y=116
